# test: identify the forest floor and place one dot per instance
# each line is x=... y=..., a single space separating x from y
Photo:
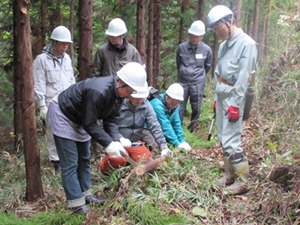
x=272 y=199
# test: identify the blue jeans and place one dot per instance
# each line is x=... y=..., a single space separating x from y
x=75 y=169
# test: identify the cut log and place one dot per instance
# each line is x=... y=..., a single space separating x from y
x=142 y=169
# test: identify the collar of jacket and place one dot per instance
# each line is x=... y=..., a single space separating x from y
x=167 y=109
x=127 y=106
x=235 y=37
x=47 y=50
x=118 y=48
x=190 y=46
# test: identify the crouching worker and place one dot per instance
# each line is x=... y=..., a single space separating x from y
x=72 y=118
x=166 y=108
x=135 y=112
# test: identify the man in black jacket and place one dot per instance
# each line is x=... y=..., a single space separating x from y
x=73 y=118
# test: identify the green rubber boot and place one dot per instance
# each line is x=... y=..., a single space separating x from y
x=229 y=175
x=240 y=186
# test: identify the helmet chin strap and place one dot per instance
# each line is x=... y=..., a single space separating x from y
x=229 y=33
x=229 y=27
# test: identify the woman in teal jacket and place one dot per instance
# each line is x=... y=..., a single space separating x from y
x=167 y=113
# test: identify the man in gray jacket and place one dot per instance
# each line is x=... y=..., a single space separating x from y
x=136 y=111
x=52 y=73
x=194 y=59
x=113 y=55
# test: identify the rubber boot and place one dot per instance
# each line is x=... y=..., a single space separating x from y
x=229 y=175
x=240 y=186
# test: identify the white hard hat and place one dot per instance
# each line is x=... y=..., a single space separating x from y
x=175 y=91
x=61 y=34
x=197 y=28
x=134 y=75
x=218 y=13
x=116 y=27
x=141 y=94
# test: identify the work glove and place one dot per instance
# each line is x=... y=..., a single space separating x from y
x=215 y=106
x=165 y=151
x=185 y=146
x=233 y=114
x=126 y=143
x=114 y=149
x=43 y=112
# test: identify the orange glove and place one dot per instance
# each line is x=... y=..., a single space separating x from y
x=233 y=114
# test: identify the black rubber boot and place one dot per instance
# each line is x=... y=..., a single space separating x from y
x=90 y=199
x=80 y=210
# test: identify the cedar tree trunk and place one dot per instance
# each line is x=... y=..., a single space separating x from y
x=85 y=54
x=23 y=70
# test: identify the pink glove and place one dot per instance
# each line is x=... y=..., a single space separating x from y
x=233 y=114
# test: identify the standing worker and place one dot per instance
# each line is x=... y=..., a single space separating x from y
x=193 y=59
x=73 y=119
x=53 y=73
x=237 y=57
x=113 y=55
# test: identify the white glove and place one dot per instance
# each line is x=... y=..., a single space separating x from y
x=114 y=149
x=126 y=143
x=43 y=112
x=185 y=146
x=165 y=151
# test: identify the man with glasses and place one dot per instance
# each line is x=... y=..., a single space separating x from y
x=193 y=59
x=111 y=56
x=237 y=58
x=73 y=119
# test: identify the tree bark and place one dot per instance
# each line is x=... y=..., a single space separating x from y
x=23 y=70
x=156 y=40
x=85 y=54
x=55 y=18
x=141 y=33
x=267 y=31
x=43 y=23
x=71 y=47
x=201 y=10
x=238 y=12
x=180 y=38
x=255 y=22
x=150 y=77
